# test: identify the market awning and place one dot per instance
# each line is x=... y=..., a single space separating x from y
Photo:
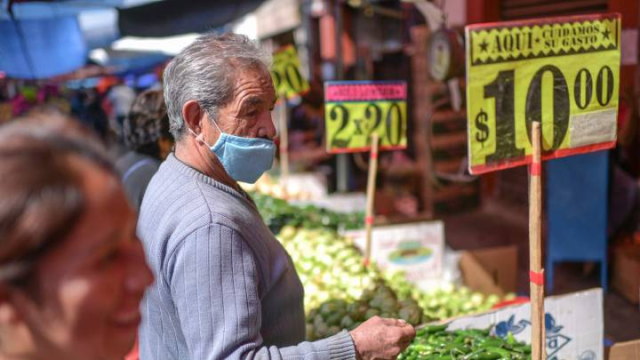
x=173 y=17
x=134 y=62
x=43 y=39
x=41 y=48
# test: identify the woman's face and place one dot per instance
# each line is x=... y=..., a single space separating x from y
x=88 y=289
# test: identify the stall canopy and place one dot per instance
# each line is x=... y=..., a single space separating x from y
x=41 y=48
x=173 y=17
x=43 y=39
x=134 y=62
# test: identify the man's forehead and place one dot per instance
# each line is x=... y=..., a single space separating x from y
x=254 y=88
x=254 y=75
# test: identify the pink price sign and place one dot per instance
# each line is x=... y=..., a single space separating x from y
x=361 y=91
x=355 y=110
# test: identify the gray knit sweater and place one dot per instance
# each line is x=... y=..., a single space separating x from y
x=225 y=288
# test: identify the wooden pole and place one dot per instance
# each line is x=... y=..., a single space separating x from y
x=422 y=109
x=284 y=144
x=371 y=195
x=536 y=274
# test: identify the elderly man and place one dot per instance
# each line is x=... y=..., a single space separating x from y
x=225 y=287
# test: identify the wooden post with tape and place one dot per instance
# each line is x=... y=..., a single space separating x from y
x=371 y=195
x=536 y=273
x=284 y=144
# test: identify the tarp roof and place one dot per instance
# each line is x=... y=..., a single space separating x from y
x=45 y=38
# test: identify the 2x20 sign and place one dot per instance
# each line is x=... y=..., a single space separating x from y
x=563 y=72
x=286 y=75
x=355 y=110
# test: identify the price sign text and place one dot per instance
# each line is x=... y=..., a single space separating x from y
x=354 y=110
x=286 y=75
x=563 y=72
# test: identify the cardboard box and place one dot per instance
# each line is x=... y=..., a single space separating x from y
x=626 y=272
x=574 y=325
x=625 y=351
x=490 y=271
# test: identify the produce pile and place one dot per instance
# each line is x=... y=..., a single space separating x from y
x=444 y=302
x=435 y=342
x=340 y=292
x=329 y=267
x=272 y=186
x=335 y=315
x=278 y=213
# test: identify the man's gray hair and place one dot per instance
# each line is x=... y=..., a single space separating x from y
x=205 y=71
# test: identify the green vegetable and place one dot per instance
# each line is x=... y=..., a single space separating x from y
x=340 y=292
x=435 y=342
x=347 y=322
x=371 y=313
x=278 y=214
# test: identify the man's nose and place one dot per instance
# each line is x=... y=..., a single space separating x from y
x=267 y=128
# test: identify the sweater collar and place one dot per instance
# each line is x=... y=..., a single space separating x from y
x=174 y=163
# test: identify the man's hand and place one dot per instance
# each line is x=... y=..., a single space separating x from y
x=379 y=338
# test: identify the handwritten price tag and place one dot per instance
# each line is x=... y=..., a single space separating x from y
x=286 y=75
x=354 y=110
x=563 y=72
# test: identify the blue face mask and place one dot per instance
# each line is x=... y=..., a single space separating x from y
x=244 y=159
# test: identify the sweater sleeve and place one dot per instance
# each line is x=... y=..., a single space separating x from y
x=214 y=285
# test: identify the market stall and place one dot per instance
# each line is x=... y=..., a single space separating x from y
x=400 y=293
x=427 y=169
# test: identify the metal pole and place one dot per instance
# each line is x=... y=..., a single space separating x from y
x=342 y=166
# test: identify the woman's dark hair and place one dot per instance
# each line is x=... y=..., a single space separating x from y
x=147 y=123
x=41 y=194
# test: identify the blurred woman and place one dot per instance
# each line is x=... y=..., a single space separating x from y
x=88 y=109
x=147 y=136
x=72 y=271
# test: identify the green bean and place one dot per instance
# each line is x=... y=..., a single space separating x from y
x=495 y=342
x=502 y=352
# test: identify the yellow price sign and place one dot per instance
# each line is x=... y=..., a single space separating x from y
x=287 y=78
x=354 y=110
x=563 y=72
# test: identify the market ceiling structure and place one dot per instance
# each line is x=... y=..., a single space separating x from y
x=43 y=39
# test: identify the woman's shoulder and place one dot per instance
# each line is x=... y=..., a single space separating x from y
x=131 y=158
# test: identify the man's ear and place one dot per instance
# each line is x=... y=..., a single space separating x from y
x=192 y=115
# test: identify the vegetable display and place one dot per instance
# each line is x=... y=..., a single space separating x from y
x=340 y=292
x=446 y=301
x=278 y=213
x=328 y=266
x=335 y=315
x=436 y=343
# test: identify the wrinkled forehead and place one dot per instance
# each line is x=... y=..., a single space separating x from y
x=254 y=86
x=255 y=70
